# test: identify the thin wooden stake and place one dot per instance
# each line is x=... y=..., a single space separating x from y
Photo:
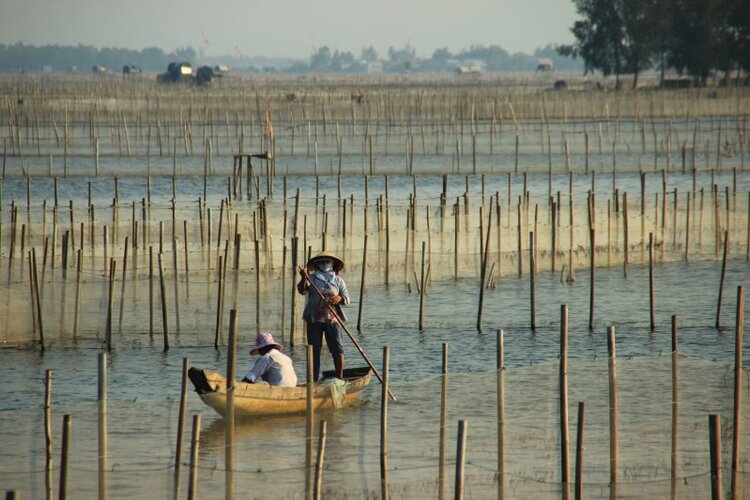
x=362 y=285
x=164 y=315
x=579 y=449
x=738 y=372
x=384 y=495
x=195 y=443
x=64 y=454
x=229 y=415
x=651 y=315
x=714 y=437
x=180 y=428
x=48 y=432
x=463 y=426
x=532 y=280
x=321 y=456
x=500 y=415
x=102 y=423
x=723 y=276
x=443 y=415
x=612 y=359
x=675 y=412
x=564 y=426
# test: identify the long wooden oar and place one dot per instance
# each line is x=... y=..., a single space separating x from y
x=343 y=325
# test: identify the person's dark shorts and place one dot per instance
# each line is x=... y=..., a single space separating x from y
x=333 y=333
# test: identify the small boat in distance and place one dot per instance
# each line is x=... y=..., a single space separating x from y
x=253 y=400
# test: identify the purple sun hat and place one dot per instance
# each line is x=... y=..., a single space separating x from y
x=265 y=339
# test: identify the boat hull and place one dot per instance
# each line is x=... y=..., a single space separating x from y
x=254 y=400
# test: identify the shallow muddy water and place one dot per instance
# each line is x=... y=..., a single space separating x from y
x=144 y=387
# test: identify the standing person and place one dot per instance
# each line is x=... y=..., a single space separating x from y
x=323 y=270
x=273 y=366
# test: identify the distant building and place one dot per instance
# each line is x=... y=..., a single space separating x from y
x=545 y=65
x=131 y=70
x=221 y=70
x=471 y=68
x=374 y=66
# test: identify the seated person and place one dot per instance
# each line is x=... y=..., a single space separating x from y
x=272 y=366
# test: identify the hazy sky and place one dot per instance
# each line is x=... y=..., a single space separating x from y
x=289 y=28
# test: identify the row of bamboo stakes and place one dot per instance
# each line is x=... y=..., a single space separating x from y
x=76 y=237
x=314 y=465
x=677 y=148
x=118 y=112
x=678 y=133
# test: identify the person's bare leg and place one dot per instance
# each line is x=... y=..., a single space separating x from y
x=338 y=363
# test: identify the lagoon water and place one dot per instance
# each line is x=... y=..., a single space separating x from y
x=144 y=384
x=144 y=380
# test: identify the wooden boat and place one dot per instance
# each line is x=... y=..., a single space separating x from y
x=252 y=400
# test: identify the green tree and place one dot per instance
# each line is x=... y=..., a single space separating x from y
x=441 y=55
x=369 y=54
x=641 y=24
x=736 y=34
x=600 y=37
x=405 y=55
x=694 y=46
x=321 y=59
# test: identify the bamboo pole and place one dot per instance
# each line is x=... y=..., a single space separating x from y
x=79 y=269
x=151 y=291
x=362 y=285
x=293 y=305
x=37 y=296
x=62 y=494
x=321 y=456
x=460 y=459
x=229 y=416
x=48 y=432
x=723 y=276
x=500 y=415
x=612 y=369
x=176 y=284
x=422 y=291
x=737 y=410
x=714 y=436
x=309 y=423
x=195 y=443
x=180 y=428
x=110 y=300
x=102 y=423
x=485 y=258
x=564 y=427
x=219 y=308
x=626 y=243
x=32 y=294
x=592 y=272
x=384 y=494
x=579 y=450
x=443 y=415
x=532 y=280
x=651 y=315
x=122 y=287
x=164 y=315
x=675 y=412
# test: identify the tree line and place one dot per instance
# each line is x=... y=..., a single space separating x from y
x=19 y=57
x=60 y=58
x=492 y=58
x=697 y=38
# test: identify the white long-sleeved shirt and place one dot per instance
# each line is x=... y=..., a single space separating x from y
x=275 y=368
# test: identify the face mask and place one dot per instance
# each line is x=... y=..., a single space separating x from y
x=325 y=265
